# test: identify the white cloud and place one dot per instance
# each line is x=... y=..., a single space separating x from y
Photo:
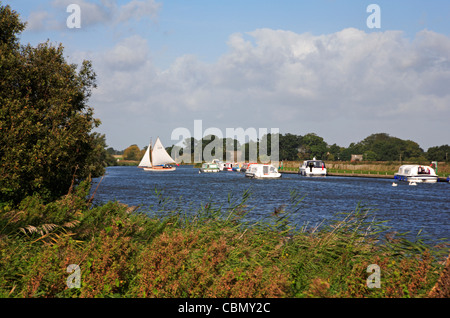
x=274 y=78
x=37 y=20
x=106 y=12
x=138 y=10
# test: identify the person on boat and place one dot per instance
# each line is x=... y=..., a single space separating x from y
x=311 y=165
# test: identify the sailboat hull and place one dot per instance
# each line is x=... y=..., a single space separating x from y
x=160 y=169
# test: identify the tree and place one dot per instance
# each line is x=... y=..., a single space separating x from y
x=46 y=142
x=383 y=147
x=132 y=153
x=289 y=145
x=334 y=152
x=314 y=146
x=369 y=155
x=439 y=153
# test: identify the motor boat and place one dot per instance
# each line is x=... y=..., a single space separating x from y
x=262 y=171
x=416 y=173
x=219 y=164
x=313 y=168
x=245 y=166
x=209 y=167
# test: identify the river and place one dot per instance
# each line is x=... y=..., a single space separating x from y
x=425 y=207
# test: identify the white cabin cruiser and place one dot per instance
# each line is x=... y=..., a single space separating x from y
x=262 y=171
x=209 y=167
x=416 y=173
x=219 y=163
x=313 y=168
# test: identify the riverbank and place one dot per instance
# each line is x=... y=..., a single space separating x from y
x=366 y=167
x=360 y=175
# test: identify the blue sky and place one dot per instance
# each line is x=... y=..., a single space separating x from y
x=299 y=66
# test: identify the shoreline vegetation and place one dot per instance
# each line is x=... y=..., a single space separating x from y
x=380 y=169
x=124 y=252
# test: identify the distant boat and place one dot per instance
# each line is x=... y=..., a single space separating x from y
x=209 y=167
x=262 y=171
x=156 y=158
x=228 y=167
x=219 y=163
x=313 y=168
x=416 y=173
x=245 y=166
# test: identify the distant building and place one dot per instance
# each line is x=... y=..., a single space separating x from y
x=357 y=158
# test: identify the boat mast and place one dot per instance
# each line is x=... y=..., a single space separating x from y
x=150 y=153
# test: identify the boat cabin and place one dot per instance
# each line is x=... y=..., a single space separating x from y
x=262 y=171
x=209 y=167
x=313 y=168
x=416 y=173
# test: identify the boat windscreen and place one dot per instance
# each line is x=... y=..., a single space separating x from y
x=315 y=164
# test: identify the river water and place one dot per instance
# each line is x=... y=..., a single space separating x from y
x=405 y=208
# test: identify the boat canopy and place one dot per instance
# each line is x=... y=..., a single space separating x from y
x=410 y=170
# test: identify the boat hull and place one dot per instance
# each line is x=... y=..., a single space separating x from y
x=258 y=176
x=209 y=170
x=313 y=173
x=160 y=169
x=417 y=179
x=313 y=168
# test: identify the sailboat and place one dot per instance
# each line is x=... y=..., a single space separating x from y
x=156 y=158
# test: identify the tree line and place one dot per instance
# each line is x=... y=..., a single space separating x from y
x=376 y=147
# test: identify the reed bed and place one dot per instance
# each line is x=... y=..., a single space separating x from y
x=172 y=251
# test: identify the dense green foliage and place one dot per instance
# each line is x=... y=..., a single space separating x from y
x=439 y=153
x=133 y=153
x=382 y=147
x=46 y=142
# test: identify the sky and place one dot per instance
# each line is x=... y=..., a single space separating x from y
x=333 y=68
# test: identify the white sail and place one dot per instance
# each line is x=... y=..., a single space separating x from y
x=160 y=155
x=145 y=161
